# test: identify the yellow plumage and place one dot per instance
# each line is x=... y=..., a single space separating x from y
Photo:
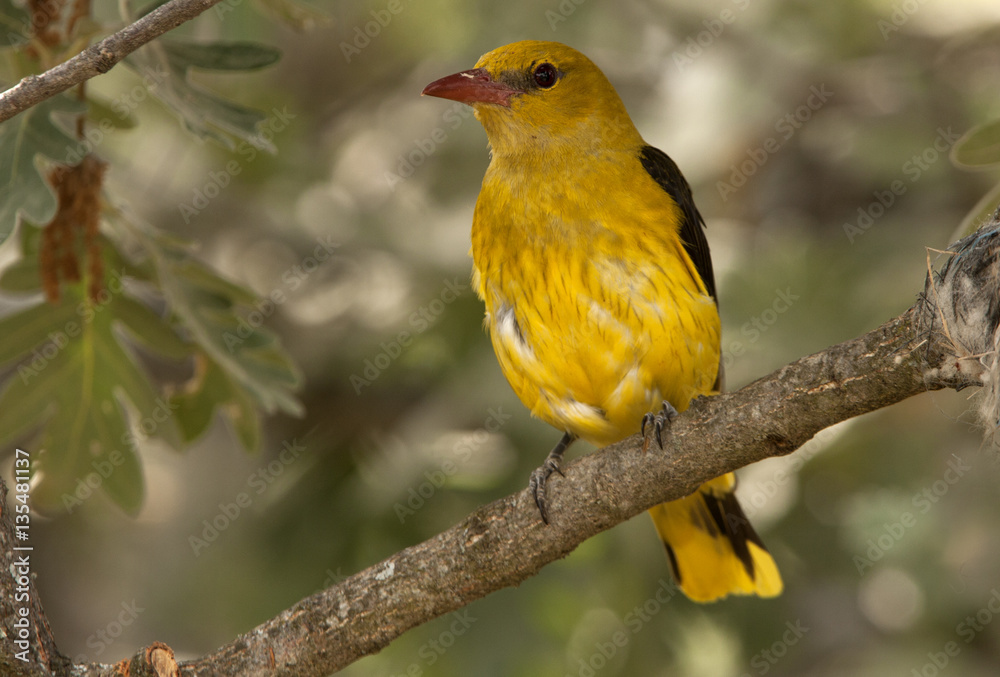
x=596 y=309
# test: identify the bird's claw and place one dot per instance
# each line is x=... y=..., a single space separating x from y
x=660 y=421
x=539 y=477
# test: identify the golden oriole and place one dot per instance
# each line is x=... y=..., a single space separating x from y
x=591 y=258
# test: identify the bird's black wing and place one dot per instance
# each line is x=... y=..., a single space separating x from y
x=665 y=172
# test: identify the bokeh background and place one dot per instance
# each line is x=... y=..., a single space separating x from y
x=885 y=528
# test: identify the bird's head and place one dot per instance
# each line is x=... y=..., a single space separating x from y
x=534 y=96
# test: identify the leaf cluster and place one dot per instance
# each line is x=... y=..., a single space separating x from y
x=153 y=343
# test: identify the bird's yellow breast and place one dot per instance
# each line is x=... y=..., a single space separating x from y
x=595 y=310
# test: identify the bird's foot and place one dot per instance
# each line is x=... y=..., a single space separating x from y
x=540 y=476
x=660 y=421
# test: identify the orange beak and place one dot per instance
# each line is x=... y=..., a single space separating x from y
x=471 y=87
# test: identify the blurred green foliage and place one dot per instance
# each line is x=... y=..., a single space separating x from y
x=75 y=390
x=884 y=527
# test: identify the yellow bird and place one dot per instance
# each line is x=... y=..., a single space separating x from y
x=591 y=258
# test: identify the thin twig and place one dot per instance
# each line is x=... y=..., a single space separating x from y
x=99 y=58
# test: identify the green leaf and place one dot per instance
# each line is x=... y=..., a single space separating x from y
x=29 y=329
x=208 y=308
x=196 y=406
x=75 y=387
x=23 y=190
x=82 y=393
x=22 y=276
x=150 y=330
x=125 y=485
x=221 y=289
x=267 y=374
x=298 y=15
x=979 y=147
x=31 y=238
x=27 y=403
x=15 y=24
x=202 y=112
x=220 y=56
x=210 y=117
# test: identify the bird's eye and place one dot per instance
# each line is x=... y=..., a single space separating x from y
x=545 y=75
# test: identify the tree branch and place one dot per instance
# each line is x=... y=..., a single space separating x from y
x=99 y=58
x=948 y=339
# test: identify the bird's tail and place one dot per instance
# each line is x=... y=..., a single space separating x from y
x=712 y=548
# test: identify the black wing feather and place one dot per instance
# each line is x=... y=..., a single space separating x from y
x=731 y=521
x=665 y=172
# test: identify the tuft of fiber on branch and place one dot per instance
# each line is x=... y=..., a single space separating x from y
x=989 y=406
x=962 y=303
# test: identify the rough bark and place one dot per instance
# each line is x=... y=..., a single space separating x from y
x=19 y=592
x=947 y=339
